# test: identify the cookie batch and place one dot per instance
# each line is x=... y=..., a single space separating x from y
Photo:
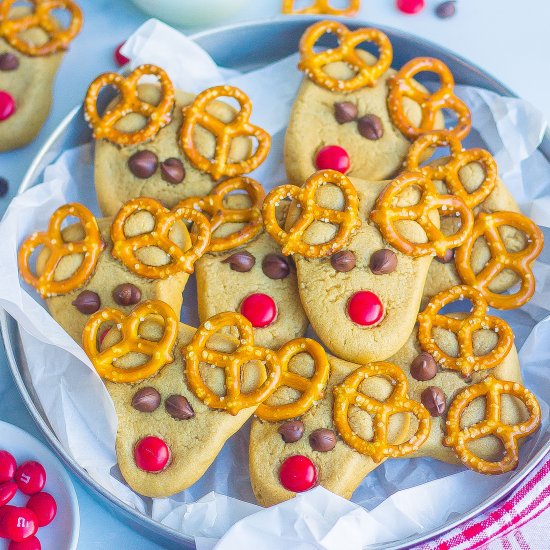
x=392 y=254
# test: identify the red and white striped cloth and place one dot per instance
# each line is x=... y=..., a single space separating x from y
x=520 y=522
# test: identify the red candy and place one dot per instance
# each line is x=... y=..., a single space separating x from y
x=18 y=524
x=259 y=309
x=30 y=477
x=151 y=454
x=333 y=157
x=28 y=544
x=365 y=308
x=410 y=6
x=119 y=58
x=44 y=506
x=298 y=473
x=7 y=491
x=7 y=105
x=7 y=466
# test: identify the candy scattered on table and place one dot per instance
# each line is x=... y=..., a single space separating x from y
x=30 y=477
x=44 y=506
x=410 y=7
x=119 y=57
x=7 y=466
x=446 y=9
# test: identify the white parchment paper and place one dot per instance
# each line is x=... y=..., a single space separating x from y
x=400 y=498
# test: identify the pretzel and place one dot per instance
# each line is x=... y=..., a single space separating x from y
x=347 y=394
x=402 y=85
x=311 y=388
x=291 y=241
x=159 y=351
x=487 y=226
x=197 y=114
x=214 y=205
x=90 y=247
x=466 y=362
x=41 y=17
x=157 y=116
x=491 y=389
x=320 y=7
x=125 y=248
x=313 y=63
x=386 y=213
x=449 y=172
x=197 y=352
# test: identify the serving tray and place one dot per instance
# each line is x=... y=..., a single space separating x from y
x=243 y=47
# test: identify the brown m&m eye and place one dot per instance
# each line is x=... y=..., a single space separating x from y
x=447 y=258
x=240 y=261
x=8 y=62
x=343 y=261
x=146 y=400
x=345 y=111
x=433 y=399
x=126 y=294
x=423 y=367
x=291 y=431
x=275 y=266
x=322 y=440
x=383 y=261
x=143 y=164
x=87 y=302
x=172 y=170
x=178 y=407
x=370 y=127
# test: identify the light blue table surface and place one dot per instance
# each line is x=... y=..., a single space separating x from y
x=109 y=22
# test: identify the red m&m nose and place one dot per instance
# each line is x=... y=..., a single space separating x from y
x=298 y=473
x=7 y=105
x=18 y=524
x=30 y=477
x=410 y=6
x=7 y=466
x=151 y=454
x=259 y=309
x=365 y=308
x=333 y=157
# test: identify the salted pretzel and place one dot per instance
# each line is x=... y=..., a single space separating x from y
x=449 y=173
x=220 y=165
x=158 y=351
x=41 y=17
x=387 y=214
x=291 y=241
x=125 y=248
x=313 y=63
x=347 y=395
x=52 y=239
x=310 y=388
x=487 y=226
x=214 y=205
x=198 y=352
x=402 y=85
x=320 y=7
x=491 y=389
x=478 y=319
x=157 y=116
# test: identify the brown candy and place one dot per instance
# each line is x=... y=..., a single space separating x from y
x=433 y=399
x=87 y=302
x=343 y=261
x=178 y=407
x=126 y=294
x=423 y=367
x=240 y=261
x=8 y=62
x=146 y=400
x=275 y=266
x=370 y=127
x=172 y=170
x=322 y=440
x=383 y=261
x=143 y=164
x=291 y=431
x=345 y=111
x=446 y=9
x=447 y=258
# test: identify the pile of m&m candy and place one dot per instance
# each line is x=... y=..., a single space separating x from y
x=19 y=524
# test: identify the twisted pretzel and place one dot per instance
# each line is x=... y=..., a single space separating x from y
x=311 y=389
x=90 y=247
x=225 y=133
x=159 y=351
x=157 y=116
x=492 y=390
x=320 y=7
x=487 y=226
x=42 y=18
x=313 y=63
x=449 y=172
x=402 y=85
x=125 y=248
x=464 y=329
x=214 y=205
x=197 y=351
x=291 y=241
x=347 y=394
x=387 y=213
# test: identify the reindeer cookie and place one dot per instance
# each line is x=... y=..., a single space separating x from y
x=32 y=45
x=183 y=148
